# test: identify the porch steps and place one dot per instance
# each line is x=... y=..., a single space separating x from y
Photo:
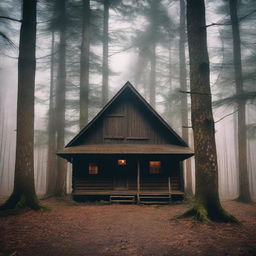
x=122 y=199
x=155 y=199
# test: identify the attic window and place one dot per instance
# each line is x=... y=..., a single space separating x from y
x=154 y=167
x=93 y=169
x=114 y=127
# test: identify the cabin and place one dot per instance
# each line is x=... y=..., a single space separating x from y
x=127 y=153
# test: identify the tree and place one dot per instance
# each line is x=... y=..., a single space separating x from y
x=51 y=157
x=149 y=41
x=84 y=64
x=244 y=192
x=154 y=5
x=183 y=87
x=23 y=194
x=60 y=98
x=207 y=204
x=105 y=68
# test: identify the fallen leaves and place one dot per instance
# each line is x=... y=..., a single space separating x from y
x=124 y=230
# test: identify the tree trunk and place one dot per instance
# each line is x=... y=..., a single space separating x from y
x=105 y=68
x=51 y=157
x=244 y=192
x=84 y=64
x=60 y=102
x=207 y=204
x=152 y=78
x=23 y=194
x=170 y=60
x=183 y=87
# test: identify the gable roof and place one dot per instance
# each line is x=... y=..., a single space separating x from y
x=127 y=86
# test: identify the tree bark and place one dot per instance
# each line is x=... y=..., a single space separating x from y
x=105 y=67
x=60 y=101
x=183 y=87
x=244 y=192
x=84 y=64
x=23 y=194
x=207 y=204
x=51 y=157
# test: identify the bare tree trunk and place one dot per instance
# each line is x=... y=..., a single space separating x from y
x=105 y=67
x=84 y=65
x=23 y=194
x=51 y=157
x=207 y=205
x=183 y=87
x=170 y=60
x=60 y=102
x=152 y=79
x=3 y=144
x=244 y=192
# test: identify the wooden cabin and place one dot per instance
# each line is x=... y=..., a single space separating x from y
x=127 y=153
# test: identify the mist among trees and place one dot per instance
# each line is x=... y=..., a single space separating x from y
x=86 y=50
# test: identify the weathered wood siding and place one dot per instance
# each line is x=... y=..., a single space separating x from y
x=146 y=184
x=127 y=121
x=106 y=179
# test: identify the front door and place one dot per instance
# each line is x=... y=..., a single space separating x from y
x=121 y=178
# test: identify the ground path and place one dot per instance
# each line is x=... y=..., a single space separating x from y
x=109 y=230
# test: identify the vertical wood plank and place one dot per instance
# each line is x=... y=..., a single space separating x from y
x=169 y=185
x=138 y=181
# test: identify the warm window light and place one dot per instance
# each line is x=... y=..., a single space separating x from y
x=93 y=169
x=121 y=162
x=154 y=167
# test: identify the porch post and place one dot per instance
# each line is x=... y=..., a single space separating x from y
x=169 y=184
x=138 y=181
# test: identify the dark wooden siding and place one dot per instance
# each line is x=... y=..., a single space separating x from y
x=127 y=121
x=105 y=180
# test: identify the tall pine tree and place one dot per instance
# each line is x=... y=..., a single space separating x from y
x=23 y=194
x=207 y=204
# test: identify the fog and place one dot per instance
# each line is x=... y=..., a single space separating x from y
x=129 y=61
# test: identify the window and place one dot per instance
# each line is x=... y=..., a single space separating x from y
x=121 y=162
x=154 y=167
x=93 y=169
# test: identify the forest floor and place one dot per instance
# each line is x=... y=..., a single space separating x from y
x=96 y=229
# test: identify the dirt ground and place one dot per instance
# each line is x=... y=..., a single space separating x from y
x=90 y=229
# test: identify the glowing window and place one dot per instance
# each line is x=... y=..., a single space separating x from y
x=121 y=162
x=154 y=167
x=93 y=169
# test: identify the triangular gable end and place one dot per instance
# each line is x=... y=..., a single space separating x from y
x=127 y=100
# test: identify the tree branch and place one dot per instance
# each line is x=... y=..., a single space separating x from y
x=225 y=116
x=123 y=50
x=229 y=23
x=7 y=39
x=199 y=93
x=248 y=14
x=218 y=24
x=9 y=18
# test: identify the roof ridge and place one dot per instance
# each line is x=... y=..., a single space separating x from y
x=142 y=99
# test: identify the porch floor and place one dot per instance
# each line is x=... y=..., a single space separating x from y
x=127 y=192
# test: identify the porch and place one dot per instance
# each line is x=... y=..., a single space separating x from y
x=145 y=190
x=127 y=178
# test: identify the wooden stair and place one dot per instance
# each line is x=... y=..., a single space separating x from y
x=122 y=199
x=155 y=198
